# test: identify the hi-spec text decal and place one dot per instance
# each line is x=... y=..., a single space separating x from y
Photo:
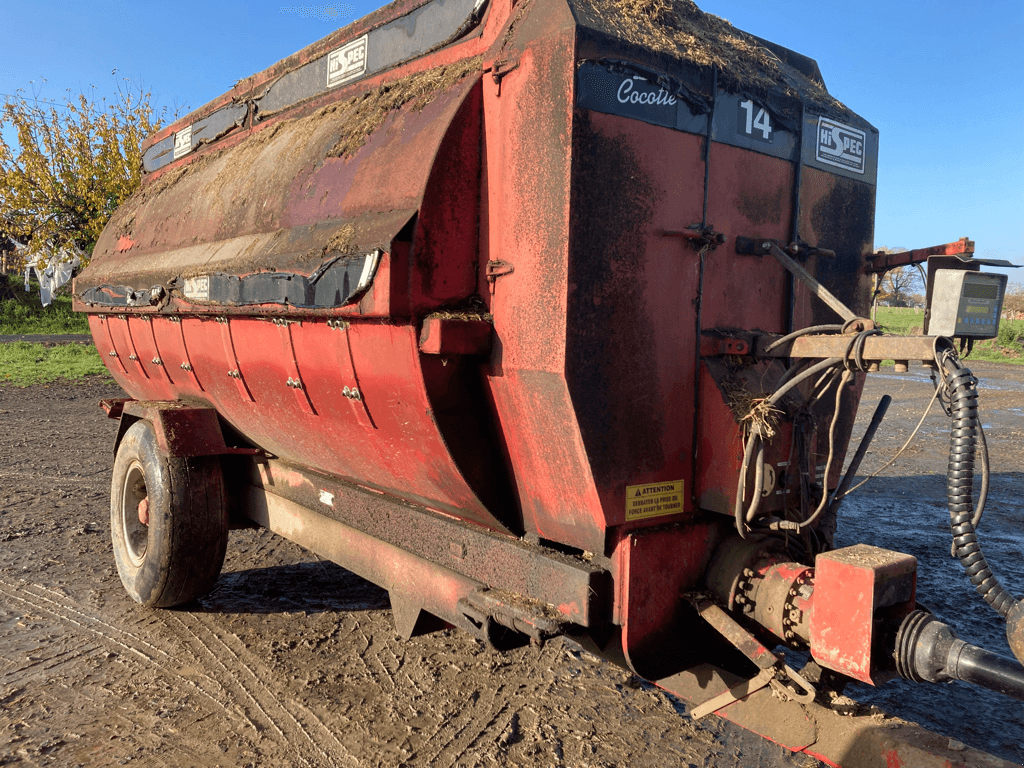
x=840 y=145
x=183 y=142
x=347 y=63
x=654 y=500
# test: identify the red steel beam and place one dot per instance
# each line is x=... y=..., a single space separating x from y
x=882 y=262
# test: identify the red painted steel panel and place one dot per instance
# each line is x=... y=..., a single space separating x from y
x=653 y=569
x=750 y=195
x=630 y=314
x=852 y=587
x=406 y=456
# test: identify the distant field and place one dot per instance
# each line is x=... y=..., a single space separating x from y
x=1006 y=348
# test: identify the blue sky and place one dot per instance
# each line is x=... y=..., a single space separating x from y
x=943 y=82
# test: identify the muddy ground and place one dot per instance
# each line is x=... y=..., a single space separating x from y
x=292 y=661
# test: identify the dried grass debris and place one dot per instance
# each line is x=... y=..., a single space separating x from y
x=753 y=412
x=341 y=241
x=680 y=29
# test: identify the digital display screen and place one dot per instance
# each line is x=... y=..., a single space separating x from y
x=979 y=290
x=984 y=310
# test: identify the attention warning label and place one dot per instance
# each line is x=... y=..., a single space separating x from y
x=653 y=500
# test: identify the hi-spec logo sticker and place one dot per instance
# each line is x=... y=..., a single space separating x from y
x=654 y=500
x=183 y=142
x=347 y=63
x=197 y=288
x=840 y=145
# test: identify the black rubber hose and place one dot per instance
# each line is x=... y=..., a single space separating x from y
x=858 y=456
x=963 y=394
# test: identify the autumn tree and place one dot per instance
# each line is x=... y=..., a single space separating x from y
x=896 y=288
x=65 y=166
x=899 y=285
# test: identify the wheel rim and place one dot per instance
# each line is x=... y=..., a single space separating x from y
x=136 y=534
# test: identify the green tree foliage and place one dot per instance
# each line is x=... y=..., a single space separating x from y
x=71 y=164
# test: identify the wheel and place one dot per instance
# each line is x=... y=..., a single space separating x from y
x=168 y=521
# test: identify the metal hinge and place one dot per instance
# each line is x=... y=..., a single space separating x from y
x=495 y=269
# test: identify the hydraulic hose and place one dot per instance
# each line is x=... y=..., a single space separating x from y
x=963 y=395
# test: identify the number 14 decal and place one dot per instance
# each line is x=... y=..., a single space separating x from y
x=754 y=121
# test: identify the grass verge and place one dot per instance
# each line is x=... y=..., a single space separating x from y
x=24 y=313
x=24 y=363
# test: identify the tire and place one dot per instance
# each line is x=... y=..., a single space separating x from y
x=178 y=555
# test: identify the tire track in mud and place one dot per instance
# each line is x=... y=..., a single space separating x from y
x=229 y=678
x=41 y=598
x=492 y=711
x=246 y=675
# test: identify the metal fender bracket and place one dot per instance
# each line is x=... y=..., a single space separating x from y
x=774 y=671
x=455 y=336
x=181 y=430
x=494 y=612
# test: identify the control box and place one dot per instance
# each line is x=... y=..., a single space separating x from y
x=966 y=304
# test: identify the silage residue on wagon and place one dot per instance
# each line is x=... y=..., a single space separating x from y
x=367 y=112
x=680 y=29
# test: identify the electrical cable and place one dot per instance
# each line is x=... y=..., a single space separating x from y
x=963 y=398
x=832 y=328
x=799 y=527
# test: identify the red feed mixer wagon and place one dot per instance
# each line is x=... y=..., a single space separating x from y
x=547 y=316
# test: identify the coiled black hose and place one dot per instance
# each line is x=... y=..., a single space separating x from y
x=963 y=395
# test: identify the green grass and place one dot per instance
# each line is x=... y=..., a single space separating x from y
x=1006 y=348
x=24 y=314
x=23 y=363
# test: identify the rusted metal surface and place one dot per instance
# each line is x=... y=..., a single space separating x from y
x=875 y=348
x=579 y=590
x=482 y=313
x=435 y=589
x=881 y=262
x=861 y=740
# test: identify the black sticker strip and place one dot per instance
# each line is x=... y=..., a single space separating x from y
x=619 y=89
x=339 y=282
x=430 y=26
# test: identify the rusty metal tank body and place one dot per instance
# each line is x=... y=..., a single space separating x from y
x=552 y=188
x=477 y=288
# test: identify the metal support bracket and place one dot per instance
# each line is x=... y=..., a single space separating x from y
x=773 y=668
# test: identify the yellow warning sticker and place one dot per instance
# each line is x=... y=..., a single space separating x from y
x=654 y=500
